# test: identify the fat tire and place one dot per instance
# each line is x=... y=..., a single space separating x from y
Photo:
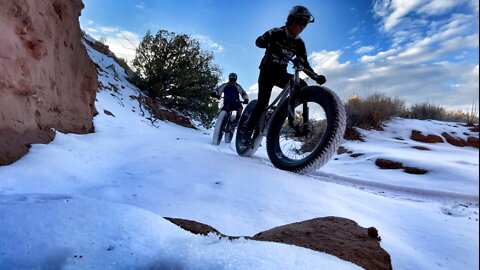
x=229 y=135
x=336 y=122
x=219 y=127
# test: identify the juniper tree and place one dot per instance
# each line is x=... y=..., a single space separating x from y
x=175 y=71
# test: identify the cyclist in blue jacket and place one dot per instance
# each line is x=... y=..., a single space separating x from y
x=231 y=95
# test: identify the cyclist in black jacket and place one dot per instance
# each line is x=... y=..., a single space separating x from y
x=281 y=44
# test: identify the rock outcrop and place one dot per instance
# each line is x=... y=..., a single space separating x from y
x=337 y=236
x=47 y=80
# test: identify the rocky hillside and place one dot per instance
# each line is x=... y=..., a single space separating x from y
x=47 y=80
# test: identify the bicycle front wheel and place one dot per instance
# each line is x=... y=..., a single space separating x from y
x=316 y=128
x=229 y=130
x=219 y=127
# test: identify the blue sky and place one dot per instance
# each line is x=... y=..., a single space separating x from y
x=417 y=50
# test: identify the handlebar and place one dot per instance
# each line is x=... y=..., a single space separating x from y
x=223 y=97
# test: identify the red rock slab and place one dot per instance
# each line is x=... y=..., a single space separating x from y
x=337 y=236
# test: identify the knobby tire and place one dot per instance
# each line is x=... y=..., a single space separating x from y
x=219 y=127
x=331 y=138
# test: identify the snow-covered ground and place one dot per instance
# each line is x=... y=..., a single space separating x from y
x=97 y=201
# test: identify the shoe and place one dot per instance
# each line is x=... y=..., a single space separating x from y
x=235 y=122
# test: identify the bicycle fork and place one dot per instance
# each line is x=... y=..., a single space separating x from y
x=300 y=130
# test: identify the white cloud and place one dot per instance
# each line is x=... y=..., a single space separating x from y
x=209 y=43
x=140 y=5
x=413 y=55
x=91 y=30
x=396 y=13
x=379 y=56
x=364 y=49
x=326 y=60
x=438 y=6
x=353 y=30
x=429 y=58
x=122 y=48
x=121 y=42
x=355 y=43
x=392 y=12
x=421 y=42
x=461 y=42
x=474 y=4
x=466 y=91
x=108 y=29
x=453 y=85
x=458 y=24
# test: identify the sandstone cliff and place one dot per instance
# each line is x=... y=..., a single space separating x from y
x=47 y=80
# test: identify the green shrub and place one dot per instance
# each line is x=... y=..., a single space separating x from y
x=175 y=71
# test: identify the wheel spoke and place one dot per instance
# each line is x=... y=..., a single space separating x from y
x=298 y=142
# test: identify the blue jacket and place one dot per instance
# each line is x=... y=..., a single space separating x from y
x=231 y=92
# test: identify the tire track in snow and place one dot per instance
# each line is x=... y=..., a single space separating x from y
x=393 y=190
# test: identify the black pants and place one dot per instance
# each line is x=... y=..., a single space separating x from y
x=267 y=79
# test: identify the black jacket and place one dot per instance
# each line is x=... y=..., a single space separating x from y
x=280 y=47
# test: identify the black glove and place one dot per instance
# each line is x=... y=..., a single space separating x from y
x=320 y=79
x=245 y=101
x=214 y=94
x=299 y=61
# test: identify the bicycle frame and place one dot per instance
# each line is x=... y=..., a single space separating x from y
x=294 y=142
x=226 y=108
x=284 y=96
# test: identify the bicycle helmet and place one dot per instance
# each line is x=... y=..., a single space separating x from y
x=232 y=77
x=300 y=13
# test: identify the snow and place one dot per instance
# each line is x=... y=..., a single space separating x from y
x=452 y=170
x=98 y=200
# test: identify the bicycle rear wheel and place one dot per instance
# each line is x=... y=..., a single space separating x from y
x=318 y=127
x=219 y=127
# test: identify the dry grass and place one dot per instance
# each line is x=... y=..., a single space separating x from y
x=372 y=111
x=428 y=111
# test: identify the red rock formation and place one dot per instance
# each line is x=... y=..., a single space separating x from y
x=47 y=80
x=419 y=137
x=337 y=236
x=471 y=141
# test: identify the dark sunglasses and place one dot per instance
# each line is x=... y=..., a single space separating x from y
x=302 y=23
